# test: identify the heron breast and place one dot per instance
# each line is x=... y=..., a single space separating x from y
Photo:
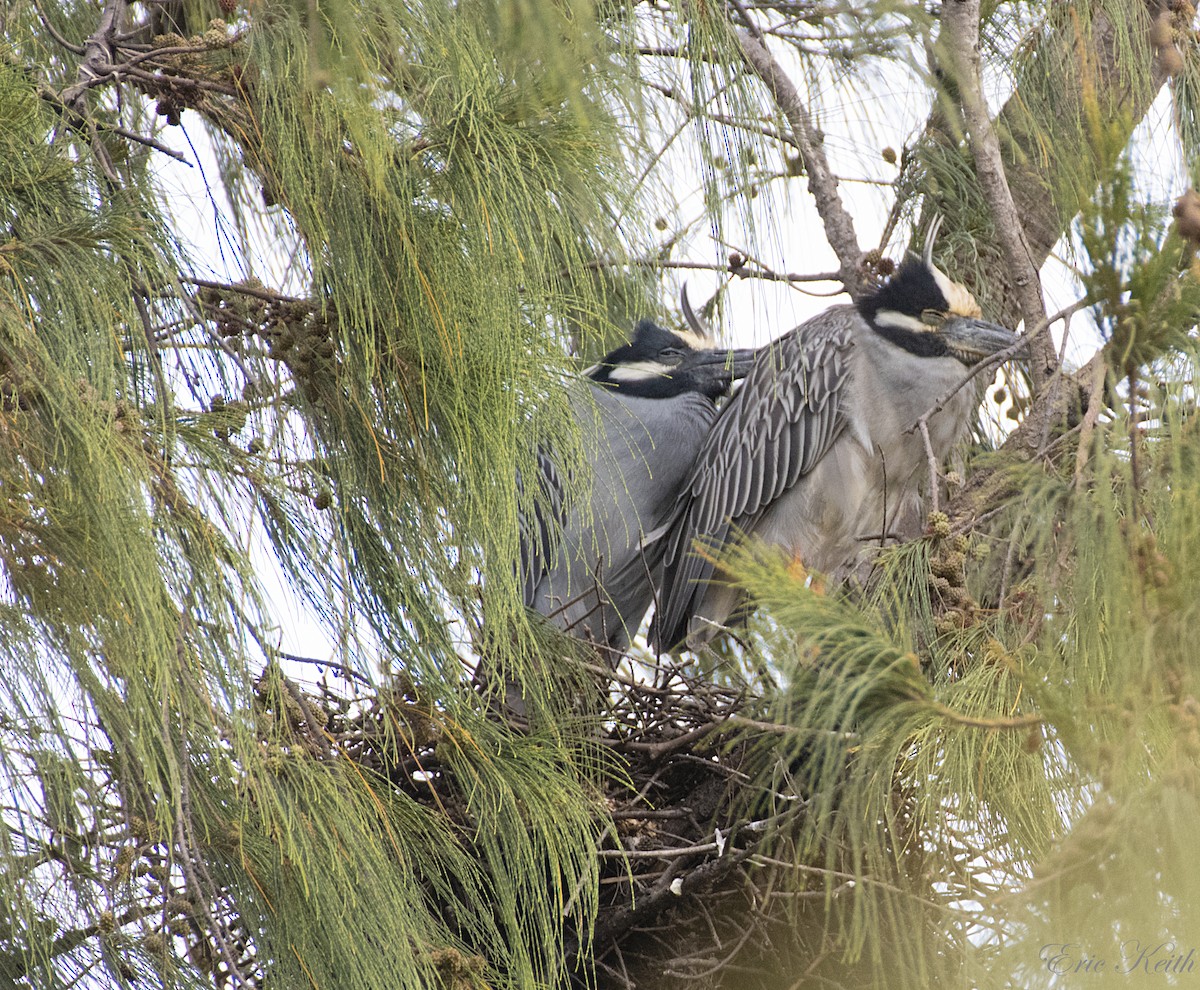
x=820 y=518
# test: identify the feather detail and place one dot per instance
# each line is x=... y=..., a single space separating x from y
x=774 y=430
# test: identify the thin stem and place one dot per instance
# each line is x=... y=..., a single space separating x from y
x=960 y=43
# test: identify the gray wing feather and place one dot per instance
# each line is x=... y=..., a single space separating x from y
x=590 y=558
x=770 y=434
x=538 y=536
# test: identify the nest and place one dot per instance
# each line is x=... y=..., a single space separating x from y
x=686 y=883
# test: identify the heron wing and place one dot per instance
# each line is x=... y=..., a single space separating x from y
x=590 y=559
x=538 y=535
x=769 y=435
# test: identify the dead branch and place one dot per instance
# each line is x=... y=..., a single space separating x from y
x=960 y=44
x=839 y=226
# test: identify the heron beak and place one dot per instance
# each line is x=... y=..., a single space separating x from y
x=736 y=361
x=971 y=340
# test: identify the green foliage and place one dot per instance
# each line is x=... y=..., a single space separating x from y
x=908 y=751
x=1012 y=713
x=443 y=198
x=978 y=755
x=1144 y=284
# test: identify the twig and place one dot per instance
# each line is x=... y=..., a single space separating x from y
x=979 y=722
x=191 y=865
x=648 y=814
x=1090 y=417
x=765 y=274
x=246 y=290
x=765 y=271
x=719 y=965
x=97 y=51
x=665 y=853
x=665 y=893
x=839 y=226
x=785 y=730
x=191 y=862
x=52 y=31
x=960 y=34
x=18 y=965
x=154 y=53
x=150 y=142
x=316 y=728
x=667 y=745
x=671 y=93
x=343 y=670
x=931 y=457
x=852 y=878
x=160 y=79
x=622 y=976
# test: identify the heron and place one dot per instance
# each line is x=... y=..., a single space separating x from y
x=590 y=565
x=817 y=452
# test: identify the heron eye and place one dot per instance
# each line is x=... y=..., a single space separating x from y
x=933 y=318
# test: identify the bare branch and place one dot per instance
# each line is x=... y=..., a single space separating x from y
x=999 y=358
x=243 y=289
x=960 y=48
x=839 y=226
x=931 y=459
x=50 y=29
x=737 y=270
x=671 y=93
x=1082 y=66
x=978 y=722
x=97 y=57
x=1091 y=417
x=149 y=142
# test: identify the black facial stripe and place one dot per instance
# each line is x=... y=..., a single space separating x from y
x=649 y=341
x=930 y=344
x=911 y=291
x=669 y=386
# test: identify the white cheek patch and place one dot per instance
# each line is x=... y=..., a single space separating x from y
x=639 y=371
x=962 y=303
x=901 y=321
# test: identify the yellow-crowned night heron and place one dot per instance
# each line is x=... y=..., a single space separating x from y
x=814 y=453
x=591 y=567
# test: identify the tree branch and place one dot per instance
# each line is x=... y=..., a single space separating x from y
x=737 y=270
x=1083 y=65
x=671 y=93
x=667 y=893
x=839 y=226
x=97 y=57
x=1089 y=63
x=959 y=43
x=1038 y=333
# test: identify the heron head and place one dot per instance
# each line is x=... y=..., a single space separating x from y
x=658 y=363
x=921 y=309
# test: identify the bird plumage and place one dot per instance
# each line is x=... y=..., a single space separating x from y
x=591 y=564
x=812 y=454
